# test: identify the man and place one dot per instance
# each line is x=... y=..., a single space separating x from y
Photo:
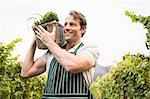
x=71 y=69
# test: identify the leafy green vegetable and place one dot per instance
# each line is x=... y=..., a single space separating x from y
x=49 y=16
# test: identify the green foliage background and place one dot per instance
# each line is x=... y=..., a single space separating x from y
x=130 y=79
x=145 y=20
x=12 y=85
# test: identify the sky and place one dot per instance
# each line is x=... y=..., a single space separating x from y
x=108 y=27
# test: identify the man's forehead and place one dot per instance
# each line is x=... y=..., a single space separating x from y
x=69 y=17
x=72 y=18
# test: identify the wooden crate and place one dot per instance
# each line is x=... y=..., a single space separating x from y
x=59 y=36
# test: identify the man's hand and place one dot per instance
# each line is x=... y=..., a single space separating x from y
x=44 y=35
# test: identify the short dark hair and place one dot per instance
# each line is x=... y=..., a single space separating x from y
x=77 y=15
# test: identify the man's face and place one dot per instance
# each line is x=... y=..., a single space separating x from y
x=72 y=30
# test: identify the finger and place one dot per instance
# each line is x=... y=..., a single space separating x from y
x=41 y=28
x=37 y=33
x=38 y=37
x=54 y=30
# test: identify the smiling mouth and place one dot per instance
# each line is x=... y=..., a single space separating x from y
x=66 y=34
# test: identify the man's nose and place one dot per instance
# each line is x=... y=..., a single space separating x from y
x=67 y=27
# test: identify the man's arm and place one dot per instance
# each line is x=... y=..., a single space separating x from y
x=72 y=63
x=30 y=67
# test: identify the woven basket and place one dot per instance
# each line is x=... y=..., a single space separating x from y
x=59 y=36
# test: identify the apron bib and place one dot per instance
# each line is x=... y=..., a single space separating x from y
x=61 y=84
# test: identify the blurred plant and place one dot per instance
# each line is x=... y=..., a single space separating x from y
x=130 y=79
x=145 y=20
x=12 y=85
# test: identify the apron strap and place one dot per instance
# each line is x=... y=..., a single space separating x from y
x=75 y=52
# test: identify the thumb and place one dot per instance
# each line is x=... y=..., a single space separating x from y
x=54 y=30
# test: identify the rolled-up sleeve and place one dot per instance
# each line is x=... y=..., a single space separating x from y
x=47 y=57
x=92 y=51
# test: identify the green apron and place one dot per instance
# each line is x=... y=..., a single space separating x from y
x=61 y=84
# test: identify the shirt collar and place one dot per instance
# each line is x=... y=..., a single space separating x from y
x=74 y=48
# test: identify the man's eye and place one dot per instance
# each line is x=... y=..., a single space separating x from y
x=65 y=24
x=71 y=24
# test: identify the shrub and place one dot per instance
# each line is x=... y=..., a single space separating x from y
x=12 y=85
x=129 y=79
x=145 y=20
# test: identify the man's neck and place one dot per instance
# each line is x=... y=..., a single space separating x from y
x=71 y=45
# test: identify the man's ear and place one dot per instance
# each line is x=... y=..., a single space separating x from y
x=83 y=31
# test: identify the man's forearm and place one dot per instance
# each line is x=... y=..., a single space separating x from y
x=65 y=59
x=29 y=58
